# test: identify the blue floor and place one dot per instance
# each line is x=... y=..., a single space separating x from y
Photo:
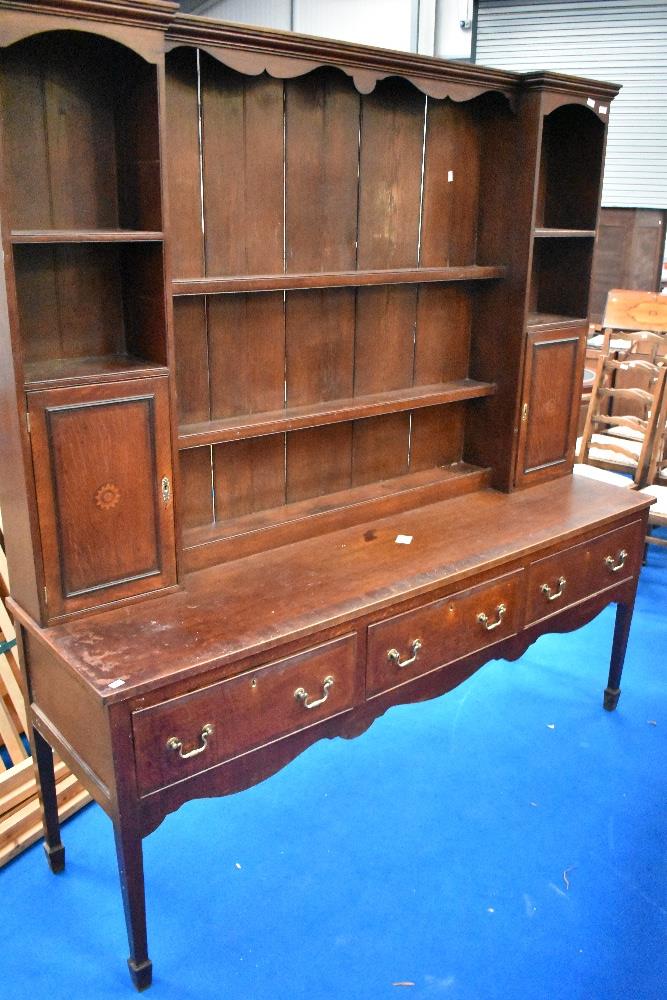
x=508 y=840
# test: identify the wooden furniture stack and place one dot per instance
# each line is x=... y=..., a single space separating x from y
x=291 y=327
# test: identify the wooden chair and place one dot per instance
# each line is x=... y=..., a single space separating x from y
x=616 y=439
x=657 y=476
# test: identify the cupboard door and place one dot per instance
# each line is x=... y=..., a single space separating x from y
x=102 y=464
x=552 y=380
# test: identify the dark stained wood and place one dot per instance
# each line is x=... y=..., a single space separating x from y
x=336 y=279
x=451 y=185
x=380 y=448
x=570 y=169
x=55 y=372
x=90 y=300
x=319 y=461
x=442 y=336
x=138 y=139
x=313 y=415
x=386 y=317
x=561 y=276
x=246 y=352
x=506 y=197
x=219 y=543
x=99 y=458
x=552 y=386
x=184 y=169
x=445 y=629
x=392 y=130
x=262 y=700
x=71 y=707
x=436 y=436
x=242 y=157
x=582 y=570
x=320 y=345
x=43 y=758
x=87 y=164
x=451 y=543
x=196 y=487
x=248 y=476
x=339 y=427
x=322 y=153
x=192 y=360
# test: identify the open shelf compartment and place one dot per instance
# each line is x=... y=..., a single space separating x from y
x=570 y=169
x=89 y=311
x=81 y=135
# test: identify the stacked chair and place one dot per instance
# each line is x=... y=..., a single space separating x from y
x=657 y=477
x=625 y=438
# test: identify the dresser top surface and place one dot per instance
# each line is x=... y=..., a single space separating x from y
x=242 y=608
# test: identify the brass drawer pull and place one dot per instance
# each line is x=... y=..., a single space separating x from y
x=395 y=656
x=489 y=625
x=615 y=565
x=174 y=743
x=546 y=589
x=302 y=695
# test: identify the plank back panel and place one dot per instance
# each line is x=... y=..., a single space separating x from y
x=249 y=476
x=436 y=436
x=451 y=185
x=192 y=371
x=392 y=135
x=184 y=166
x=246 y=344
x=320 y=345
x=242 y=150
x=385 y=337
x=322 y=138
x=442 y=344
x=70 y=298
x=319 y=461
x=196 y=487
x=380 y=448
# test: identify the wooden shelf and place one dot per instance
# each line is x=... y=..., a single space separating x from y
x=85 y=236
x=543 y=232
x=333 y=279
x=81 y=371
x=336 y=411
x=228 y=540
x=552 y=319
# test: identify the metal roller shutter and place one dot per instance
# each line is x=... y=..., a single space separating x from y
x=624 y=41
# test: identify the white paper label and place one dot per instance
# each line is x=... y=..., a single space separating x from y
x=116 y=684
x=450 y=176
x=590 y=102
x=603 y=109
x=403 y=539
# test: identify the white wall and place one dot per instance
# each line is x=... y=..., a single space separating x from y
x=428 y=26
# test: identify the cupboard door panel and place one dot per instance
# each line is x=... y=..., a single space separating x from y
x=100 y=455
x=553 y=372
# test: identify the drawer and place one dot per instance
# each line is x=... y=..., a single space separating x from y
x=418 y=641
x=580 y=571
x=189 y=734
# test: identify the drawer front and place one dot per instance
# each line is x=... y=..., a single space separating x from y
x=180 y=737
x=578 y=572
x=418 y=641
